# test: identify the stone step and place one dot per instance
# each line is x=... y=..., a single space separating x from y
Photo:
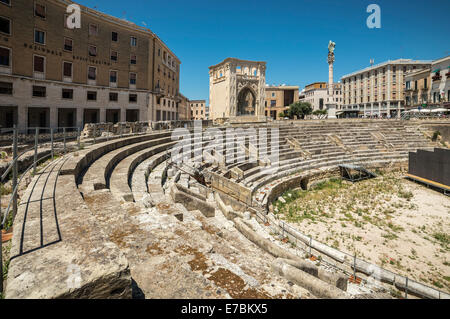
x=121 y=174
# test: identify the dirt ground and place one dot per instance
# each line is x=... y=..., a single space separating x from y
x=390 y=221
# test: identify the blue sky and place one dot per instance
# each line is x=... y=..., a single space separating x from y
x=291 y=36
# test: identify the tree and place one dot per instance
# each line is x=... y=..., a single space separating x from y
x=300 y=109
x=282 y=115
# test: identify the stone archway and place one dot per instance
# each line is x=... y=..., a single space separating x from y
x=246 y=102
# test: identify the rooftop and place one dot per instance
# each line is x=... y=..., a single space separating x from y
x=389 y=62
x=236 y=60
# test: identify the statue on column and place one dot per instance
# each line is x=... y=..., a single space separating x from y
x=331 y=46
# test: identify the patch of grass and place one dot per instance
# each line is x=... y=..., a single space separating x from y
x=405 y=194
x=390 y=236
x=395 y=228
x=5 y=190
x=443 y=238
x=435 y=136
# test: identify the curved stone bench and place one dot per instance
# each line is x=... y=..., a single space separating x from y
x=264 y=178
x=96 y=176
x=120 y=176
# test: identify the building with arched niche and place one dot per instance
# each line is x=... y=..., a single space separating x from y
x=237 y=90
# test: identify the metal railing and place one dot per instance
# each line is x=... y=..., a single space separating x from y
x=42 y=144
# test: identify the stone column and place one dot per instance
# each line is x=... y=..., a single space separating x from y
x=80 y=117
x=53 y=117
x=331 y=106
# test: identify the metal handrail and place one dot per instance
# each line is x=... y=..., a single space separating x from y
x=16 y=188
x=13 y=165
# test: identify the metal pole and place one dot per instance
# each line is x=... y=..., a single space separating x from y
x=406 y=288
x=94 y=132
x=36 y=140
x=310 y=244
x=51 y=139
x=1 y=257
x=79 y=137
x=15 y=171
x=64 y=138
x=354 y=267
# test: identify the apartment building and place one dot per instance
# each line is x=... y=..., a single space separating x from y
x=429 y=87
x=108 y=70
x=166 y=83
x=440 y=82
x=184 y=108
x=417 y=88
x=317 y=95
x=378 y=90
x=198 y=110
x=278 y=99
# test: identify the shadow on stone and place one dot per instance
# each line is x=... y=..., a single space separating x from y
x=136 y=292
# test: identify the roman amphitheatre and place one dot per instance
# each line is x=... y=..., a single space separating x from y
x=119 y=218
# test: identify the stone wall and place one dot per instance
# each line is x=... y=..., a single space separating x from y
x=231 y=188
x=102 y=129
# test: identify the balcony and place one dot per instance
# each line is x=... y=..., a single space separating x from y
x=159 y=92
x=437 y=77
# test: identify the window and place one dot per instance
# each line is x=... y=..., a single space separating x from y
x=159 y=52
x=273 y=103
x=6 y=88
x=39 y=37
x=67 y=69
x=93 y=29
x=92 y=96
x=92 y=73
x=114 y=36
x=67 y=94
x=5 y=56
x=113 y=76
x=92 y=50
x=5 y=26
x=39 y=91
x=114 y=97
x=133 y=78
x=68 y=44
x=39 y=64
x=133 y=59
x=114 y=56
x=133 y=41
x=132 y=98
x=39 y=10
x=8 y=2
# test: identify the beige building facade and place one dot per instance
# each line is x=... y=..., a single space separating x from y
x=430 y=87
x=237 y=89
x=378 y=90
x=440 y=82
x=55 y=76
x=198 y=110
x=184 y=108
x=278 y=99
x=317 y=95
